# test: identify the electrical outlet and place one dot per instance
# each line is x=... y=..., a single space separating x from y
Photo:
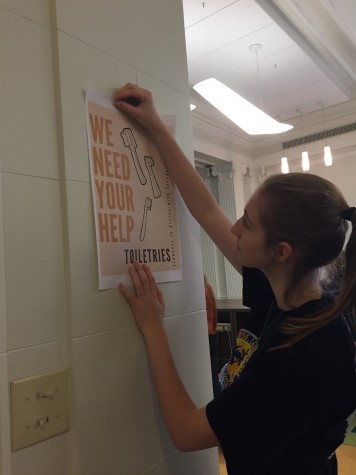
x=39 y=408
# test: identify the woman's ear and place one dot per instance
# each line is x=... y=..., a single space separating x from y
x=284 y=251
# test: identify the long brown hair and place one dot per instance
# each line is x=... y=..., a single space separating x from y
x=306 y=211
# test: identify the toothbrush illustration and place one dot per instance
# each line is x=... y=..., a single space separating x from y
x=147 y=207
x=149 y=165
x=130 y=142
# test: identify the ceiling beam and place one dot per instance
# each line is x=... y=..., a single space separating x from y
x=315 y=28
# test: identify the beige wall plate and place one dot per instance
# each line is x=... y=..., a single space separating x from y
x=39 y=408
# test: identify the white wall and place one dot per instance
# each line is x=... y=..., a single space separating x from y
x=342 y=172
x=51 y=313
x=262 y=154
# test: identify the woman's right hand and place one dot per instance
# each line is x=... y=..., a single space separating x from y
x=138 y=103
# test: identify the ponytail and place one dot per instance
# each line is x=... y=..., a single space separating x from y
x=345 y=302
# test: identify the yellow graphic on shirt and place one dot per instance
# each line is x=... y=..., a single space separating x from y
x=246 y=343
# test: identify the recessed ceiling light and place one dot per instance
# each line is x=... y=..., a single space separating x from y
x=248 y=117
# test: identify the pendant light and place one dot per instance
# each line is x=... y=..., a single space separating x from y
x=305 y=155
x=305 y=161
x=328 y=158
x=284 y=165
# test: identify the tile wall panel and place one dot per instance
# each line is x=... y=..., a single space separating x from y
x=27 y=121
x=203 y=462
x=188 y=338
x=83 y=67
x=115 y=406
x=156 y=469
x=49 y=457
x=37 y=359
x=188 y=294
x=149 y=35
x=3 y=331
x=195 y=463
x=5 y=457
x=34 y=10
x=35 y=293
x=92 y=310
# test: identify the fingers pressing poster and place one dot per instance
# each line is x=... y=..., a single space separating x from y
x=133 y=197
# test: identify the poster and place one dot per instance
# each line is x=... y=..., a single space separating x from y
x=134 y=199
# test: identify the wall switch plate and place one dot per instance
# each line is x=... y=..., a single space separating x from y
x=39 y=408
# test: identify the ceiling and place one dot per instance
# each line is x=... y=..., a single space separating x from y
x=307 y=59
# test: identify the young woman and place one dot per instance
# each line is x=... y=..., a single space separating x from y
x=291 y=383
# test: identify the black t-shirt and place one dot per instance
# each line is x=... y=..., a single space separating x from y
x=285 y=411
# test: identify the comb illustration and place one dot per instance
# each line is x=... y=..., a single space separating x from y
x=130 y=142
x=147 y=207
x=149 y=165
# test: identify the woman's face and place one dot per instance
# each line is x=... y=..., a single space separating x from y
x=250 y=235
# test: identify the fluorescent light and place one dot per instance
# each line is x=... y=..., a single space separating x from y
x=192 y=107
x=244 y=114
x=328 y=158
x=305 y=161
x=284 y=165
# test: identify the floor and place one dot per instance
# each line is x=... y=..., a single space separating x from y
x=346 y=456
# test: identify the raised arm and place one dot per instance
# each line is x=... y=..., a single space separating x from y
x=138 y=103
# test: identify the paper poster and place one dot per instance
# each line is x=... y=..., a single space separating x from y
x=134 y=198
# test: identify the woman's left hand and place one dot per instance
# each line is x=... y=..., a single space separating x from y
x=147 y=302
